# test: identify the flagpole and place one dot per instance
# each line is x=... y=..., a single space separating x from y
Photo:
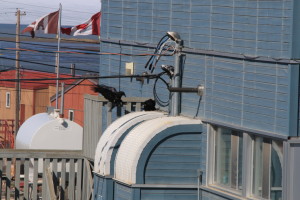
x=57 y=55
x=100 y=21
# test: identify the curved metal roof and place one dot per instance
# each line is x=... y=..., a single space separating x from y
x=129 y=153
x=111 y=138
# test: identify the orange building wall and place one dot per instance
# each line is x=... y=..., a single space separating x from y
x=74 y=100
x=34 y=101
x=7 y=113
x=27 y=100
x=42 y=100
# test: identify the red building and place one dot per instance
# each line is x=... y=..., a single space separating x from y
x=74 y=99
x=34 y=98
x=35 y=94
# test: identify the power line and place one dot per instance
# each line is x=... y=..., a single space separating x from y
x=150 y=76
x=28 y=68
x=47 y=45
x=75 y=52
x=38 y=63
x=91 y=41
x=34 y=5
x=5 y=13
x=44 y=51
x=28 y=4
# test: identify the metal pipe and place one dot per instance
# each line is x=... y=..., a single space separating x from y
x=62 y=99
x=199 y=90
x=73 y=69
x=176 y=79
x=187 y=90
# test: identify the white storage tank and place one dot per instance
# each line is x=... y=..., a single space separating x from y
x=49 y=131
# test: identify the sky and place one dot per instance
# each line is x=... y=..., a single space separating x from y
x=74 y=12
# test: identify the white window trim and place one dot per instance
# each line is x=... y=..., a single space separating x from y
x=247 y=160
x=71 y=111
x=211 y=163
x=247 y=174
x=7 y=100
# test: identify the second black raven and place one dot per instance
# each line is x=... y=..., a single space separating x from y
x=149 y=105
x=110 y=93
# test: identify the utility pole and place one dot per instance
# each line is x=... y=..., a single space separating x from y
x=18 y=88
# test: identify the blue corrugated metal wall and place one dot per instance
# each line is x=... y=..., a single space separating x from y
x=168 y=194
x=103 y=188
x=99 y=188
x=244 y=93
x=176 y=161
x=171 y=194
x=253 y=27
x=123 y=192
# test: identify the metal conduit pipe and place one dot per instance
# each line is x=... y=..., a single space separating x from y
x=199 y=90
x=176 y=79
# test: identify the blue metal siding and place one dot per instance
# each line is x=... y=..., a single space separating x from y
x=178 y=194
x=211 y=196
x=168 y=194
x=103 y=188
x=123 y=192
x=99 y=188
x=244 y=93
x=254 y=27
x=175 y=161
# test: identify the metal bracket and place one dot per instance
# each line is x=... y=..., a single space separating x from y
x=199 y=90
x=142 y=79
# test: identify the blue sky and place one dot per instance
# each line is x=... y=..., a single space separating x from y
x=74 y=12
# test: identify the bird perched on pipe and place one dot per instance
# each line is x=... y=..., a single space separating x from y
x=149 y=105
x=110 y=93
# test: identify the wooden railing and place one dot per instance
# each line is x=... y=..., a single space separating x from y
x=43 y=174
x=98 y=115
x=7 y=133
x=39 y=174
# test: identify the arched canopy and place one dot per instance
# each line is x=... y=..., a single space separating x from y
x=113 y=136
x=139 y=143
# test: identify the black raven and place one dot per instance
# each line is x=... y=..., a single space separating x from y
x=110 y=93
x=149 y=105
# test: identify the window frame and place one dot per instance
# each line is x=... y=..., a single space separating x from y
x=248 y=142
x=212 y=139
x=7 y=100
x=266 y=188
x=73 y=115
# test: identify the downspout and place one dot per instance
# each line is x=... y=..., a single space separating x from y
x=177 y=78
x=62 y=100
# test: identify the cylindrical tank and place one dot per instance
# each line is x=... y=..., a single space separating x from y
x=49 y=131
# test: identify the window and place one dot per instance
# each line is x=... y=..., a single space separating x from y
x=245 y=164
x=7 y=99
x=228 y=158
x=267 y=168
x=71 y=115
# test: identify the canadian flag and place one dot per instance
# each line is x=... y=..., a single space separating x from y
x=47 y=24
x=90 y=27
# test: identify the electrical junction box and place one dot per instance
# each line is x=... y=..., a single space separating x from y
x=129 y=68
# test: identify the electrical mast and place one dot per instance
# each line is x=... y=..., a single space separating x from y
x=18 y=88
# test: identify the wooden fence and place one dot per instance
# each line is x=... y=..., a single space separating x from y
x=40 y=174
x=43 y=174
